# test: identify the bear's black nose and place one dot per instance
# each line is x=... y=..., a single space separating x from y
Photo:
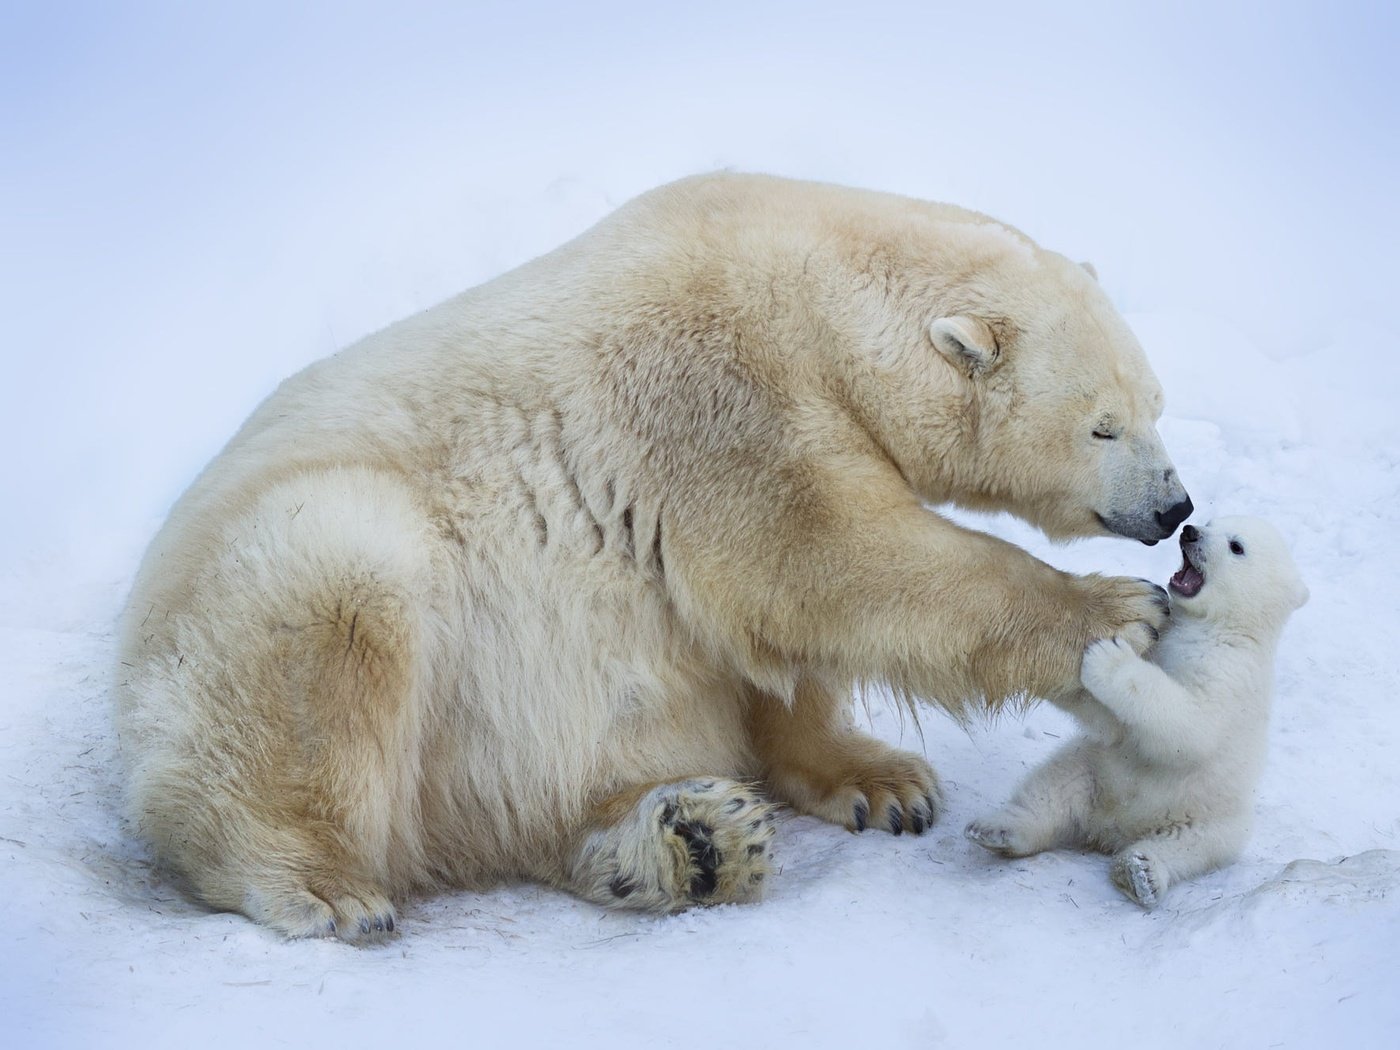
x=1174 y=516
x=1190 y=534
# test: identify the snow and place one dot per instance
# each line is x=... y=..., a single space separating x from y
x=199 y=202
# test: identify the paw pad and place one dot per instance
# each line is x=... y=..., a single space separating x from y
x=687 y=843
x=1133 y=874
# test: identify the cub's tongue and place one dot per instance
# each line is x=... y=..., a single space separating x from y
x=1188 y=581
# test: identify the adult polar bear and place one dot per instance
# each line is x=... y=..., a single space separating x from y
x=520 y=586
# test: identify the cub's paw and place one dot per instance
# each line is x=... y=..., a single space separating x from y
x=1106 y=663
x=699 y=841
x=999 y=837
x=1140 y=877
x=1134 y=610
x=863 y=783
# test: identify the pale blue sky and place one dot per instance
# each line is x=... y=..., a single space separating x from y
x=197 y=199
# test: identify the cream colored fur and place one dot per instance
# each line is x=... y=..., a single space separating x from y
x=458 y=603
x=1164 y=777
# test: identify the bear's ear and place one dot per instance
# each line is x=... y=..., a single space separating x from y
x=965 y=341
x=1089 y=269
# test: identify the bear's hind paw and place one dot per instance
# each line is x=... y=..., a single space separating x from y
x=358 y=914
x=699 y=841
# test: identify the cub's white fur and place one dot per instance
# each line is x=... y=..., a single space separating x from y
x=1175 y=744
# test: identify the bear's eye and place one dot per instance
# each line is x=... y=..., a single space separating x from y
x=1104 y=435
x=1236 y=547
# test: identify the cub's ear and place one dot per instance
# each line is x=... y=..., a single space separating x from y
x=965 y=341
x=1089 y=269
x=1301 y=594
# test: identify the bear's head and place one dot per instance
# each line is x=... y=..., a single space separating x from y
x=1047 y=405
x=1238 y=572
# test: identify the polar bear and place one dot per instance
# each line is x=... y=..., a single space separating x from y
x=1175 y=745
x=570 y=577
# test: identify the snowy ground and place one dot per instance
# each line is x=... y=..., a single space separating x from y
x=204 y=203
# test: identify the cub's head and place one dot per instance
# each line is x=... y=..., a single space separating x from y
x=1237 y=571
x=1057 y=403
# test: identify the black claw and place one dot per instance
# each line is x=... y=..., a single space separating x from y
x=862 y=814
x=932 y=808
x=1155 y=633
x=896 y=817
x=917 y=822
x=756 y=849
x=389 y=923
x=735 y=805
x=364 y=927
x=668 y=813
x=754 y=825
x=379 y=924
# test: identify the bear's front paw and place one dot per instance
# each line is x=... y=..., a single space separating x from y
x=863 y=783
x=1136 y=611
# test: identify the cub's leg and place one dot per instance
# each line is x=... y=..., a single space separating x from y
x=1169 y=723
x=1051 y=808
x=1146 y=868
x=667 y=847
x=816 y=762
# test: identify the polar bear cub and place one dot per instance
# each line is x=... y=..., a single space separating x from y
x=1174 y=742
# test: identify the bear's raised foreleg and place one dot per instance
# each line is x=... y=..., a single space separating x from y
x=875 y=590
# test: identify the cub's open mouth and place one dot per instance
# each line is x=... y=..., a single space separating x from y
x=1189 y=579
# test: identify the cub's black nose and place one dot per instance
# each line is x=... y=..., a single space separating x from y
x=1174 y=516
x=1190 y=534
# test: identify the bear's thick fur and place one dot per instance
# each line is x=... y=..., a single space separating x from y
x=1175 y=744
x=530 y=584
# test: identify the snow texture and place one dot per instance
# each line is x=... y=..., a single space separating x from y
x=199 y=202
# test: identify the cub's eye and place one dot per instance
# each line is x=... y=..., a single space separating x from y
x=1104 y=435
x=1236 y=547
